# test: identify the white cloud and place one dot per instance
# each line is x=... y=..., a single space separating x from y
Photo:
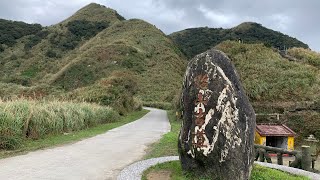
x=217 y=18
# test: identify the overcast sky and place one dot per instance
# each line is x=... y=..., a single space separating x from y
x=297 y=18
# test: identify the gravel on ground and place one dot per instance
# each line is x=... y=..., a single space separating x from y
x=135 y=171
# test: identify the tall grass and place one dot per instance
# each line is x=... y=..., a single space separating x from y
x=306 y=55
x=22 y=118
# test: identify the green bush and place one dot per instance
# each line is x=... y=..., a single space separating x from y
x=1 y=48
x=86 y=29
x=35 y=39
x=160 y=105
x=51 y=54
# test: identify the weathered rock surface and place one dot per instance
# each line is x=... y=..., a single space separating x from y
x=217 y=134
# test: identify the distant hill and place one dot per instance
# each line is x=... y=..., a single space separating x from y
x=88 y=48
x=196 y=40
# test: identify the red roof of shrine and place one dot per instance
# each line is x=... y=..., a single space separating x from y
x=274 y=130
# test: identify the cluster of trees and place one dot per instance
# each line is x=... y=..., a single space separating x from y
x=86 y=29
x=35 y=39
x=10 y=31
x=196 y=40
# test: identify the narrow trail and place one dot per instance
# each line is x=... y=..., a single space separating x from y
x=99 y=157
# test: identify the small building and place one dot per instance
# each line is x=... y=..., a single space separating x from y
x=275 y=135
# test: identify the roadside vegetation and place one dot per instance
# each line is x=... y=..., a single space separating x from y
x=29 y=119
x=27 y=125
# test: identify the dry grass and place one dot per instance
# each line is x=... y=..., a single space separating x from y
x=22 y=118
x=305 y=55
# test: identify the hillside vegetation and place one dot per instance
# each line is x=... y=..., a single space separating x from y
x=268 y=77
x=305 y=56
x=72 y=59
x=276 y=85
x=196 y=40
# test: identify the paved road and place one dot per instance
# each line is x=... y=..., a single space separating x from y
x=99 y=157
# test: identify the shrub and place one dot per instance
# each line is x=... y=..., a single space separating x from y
x=86 y=29
x=160 y=105
x=35 y=39
x=1 y=48
x=51 y=54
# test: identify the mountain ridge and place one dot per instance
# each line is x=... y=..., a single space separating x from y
x=189 y=39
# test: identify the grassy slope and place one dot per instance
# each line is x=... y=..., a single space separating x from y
x=276 y=85
x=267 y=77
x=306 y=56
x=51 y=141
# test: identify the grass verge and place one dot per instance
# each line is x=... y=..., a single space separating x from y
x=61 y=139
x=258 y=173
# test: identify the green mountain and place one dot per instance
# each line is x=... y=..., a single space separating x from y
x=95 y=50
x=196 y=40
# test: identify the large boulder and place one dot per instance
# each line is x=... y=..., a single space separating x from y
x=217 y=134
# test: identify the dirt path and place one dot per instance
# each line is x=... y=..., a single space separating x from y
x=99 y=157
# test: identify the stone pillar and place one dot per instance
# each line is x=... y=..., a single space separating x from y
x=306 y=158
x=217 y=133
x=279 y=158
